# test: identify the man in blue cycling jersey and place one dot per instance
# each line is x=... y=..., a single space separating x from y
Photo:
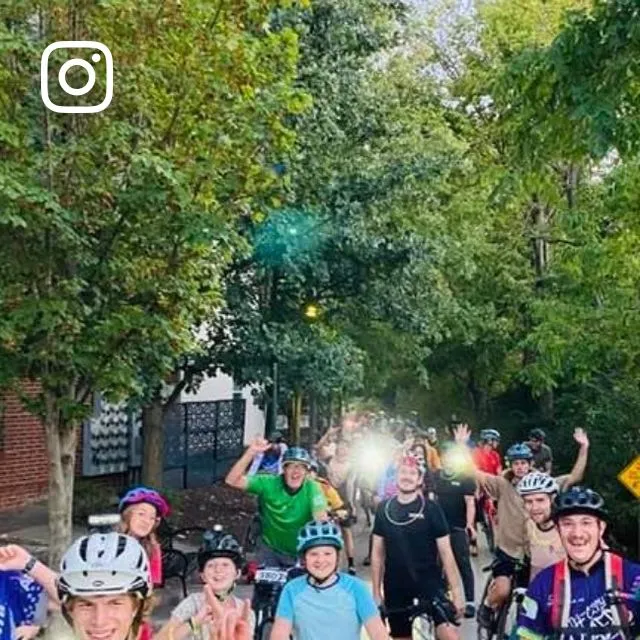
x=594 y=594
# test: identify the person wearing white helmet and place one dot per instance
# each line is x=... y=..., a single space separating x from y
x=543 y=545
x=103 y=588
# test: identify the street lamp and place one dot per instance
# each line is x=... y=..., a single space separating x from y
x=311 y=311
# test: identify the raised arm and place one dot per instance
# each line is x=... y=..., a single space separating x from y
x=577 y=473
x=237 y=476
x=16 y=558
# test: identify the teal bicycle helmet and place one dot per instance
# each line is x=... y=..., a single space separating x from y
x=297 y=454
x=319 y=534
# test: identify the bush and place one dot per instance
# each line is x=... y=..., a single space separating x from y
x=91 y=497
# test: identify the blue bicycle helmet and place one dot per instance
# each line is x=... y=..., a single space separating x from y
x=297 y=454
x=319 y=534
x=519 y=452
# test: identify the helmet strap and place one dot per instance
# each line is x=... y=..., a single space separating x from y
x=586 y=565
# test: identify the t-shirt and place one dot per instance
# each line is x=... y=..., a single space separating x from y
x=451 y=492
x=588 y=608
x=433 y=458
x=22 y=602
x=543 y=547
x=510 y=534
x=337 y=611
x=487 y=460
x=542 y=456
x=334 y=501
x=193 y=603
x=410 y=532
x=283 y=513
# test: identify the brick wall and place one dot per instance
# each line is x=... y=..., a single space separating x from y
x=23 y=455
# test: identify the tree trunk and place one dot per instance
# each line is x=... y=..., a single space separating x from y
x=62 y=440
x=153 y=443
x=313 y=417
x=296 y=411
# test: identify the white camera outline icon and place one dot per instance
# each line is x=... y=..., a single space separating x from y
x=76 y=44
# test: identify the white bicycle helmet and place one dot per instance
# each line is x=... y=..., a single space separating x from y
x=536 y=482
x=104 y=564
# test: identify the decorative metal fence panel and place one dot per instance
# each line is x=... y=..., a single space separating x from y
x=202 y=441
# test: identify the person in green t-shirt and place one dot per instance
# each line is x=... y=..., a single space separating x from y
x=286 y=502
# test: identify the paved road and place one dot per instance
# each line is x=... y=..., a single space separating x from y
x=171 y=595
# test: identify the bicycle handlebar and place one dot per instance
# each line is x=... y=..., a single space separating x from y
x=421 y=606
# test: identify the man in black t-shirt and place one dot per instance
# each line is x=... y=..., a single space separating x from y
x=456 y=496
x=409 y=534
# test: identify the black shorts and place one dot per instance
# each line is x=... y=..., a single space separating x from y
x=401 y=597
x=508 y=566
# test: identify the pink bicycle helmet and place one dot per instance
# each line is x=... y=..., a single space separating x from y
x=138 y=495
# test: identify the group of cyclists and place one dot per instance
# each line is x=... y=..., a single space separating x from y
x=427 y=495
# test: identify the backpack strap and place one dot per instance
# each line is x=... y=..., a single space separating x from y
x=559 y=579
x=614 y=582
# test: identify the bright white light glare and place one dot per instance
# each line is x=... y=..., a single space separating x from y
x=372 y=459
x=456 y=460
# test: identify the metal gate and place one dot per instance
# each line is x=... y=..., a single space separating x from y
x=202 y=441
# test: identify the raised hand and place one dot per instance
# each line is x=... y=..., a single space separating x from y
x=580 y=436
x=259 y=445
x=228 y=624
x=462 y=433
x=13 y=558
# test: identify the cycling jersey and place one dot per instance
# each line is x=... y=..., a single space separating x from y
x=317 y=612
x=544 y=548
x=284 y=513
x=588 y=616
x=22 y=602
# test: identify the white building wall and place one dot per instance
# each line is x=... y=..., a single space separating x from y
x=221 y=387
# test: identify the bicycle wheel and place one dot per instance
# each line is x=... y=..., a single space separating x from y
x=487 y=525
x=422 y=628
x=264 y=630
x=252 y=534
x=484 y=633
x=502 y=618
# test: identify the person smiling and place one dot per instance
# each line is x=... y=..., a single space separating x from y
x=219 y=562
x=591 y=594
x=324 y=595
x=286 y=502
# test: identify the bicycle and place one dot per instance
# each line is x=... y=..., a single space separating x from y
x=505 y=616
x=268 y=585
x=422 y=626
x=488 y=518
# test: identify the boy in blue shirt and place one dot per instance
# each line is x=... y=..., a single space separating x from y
x=324 y=602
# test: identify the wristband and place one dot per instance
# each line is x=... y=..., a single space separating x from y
x=31 y=562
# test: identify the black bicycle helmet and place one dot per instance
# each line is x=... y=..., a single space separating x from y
x=218 y=544
x=537 y=434
x=579 y=499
